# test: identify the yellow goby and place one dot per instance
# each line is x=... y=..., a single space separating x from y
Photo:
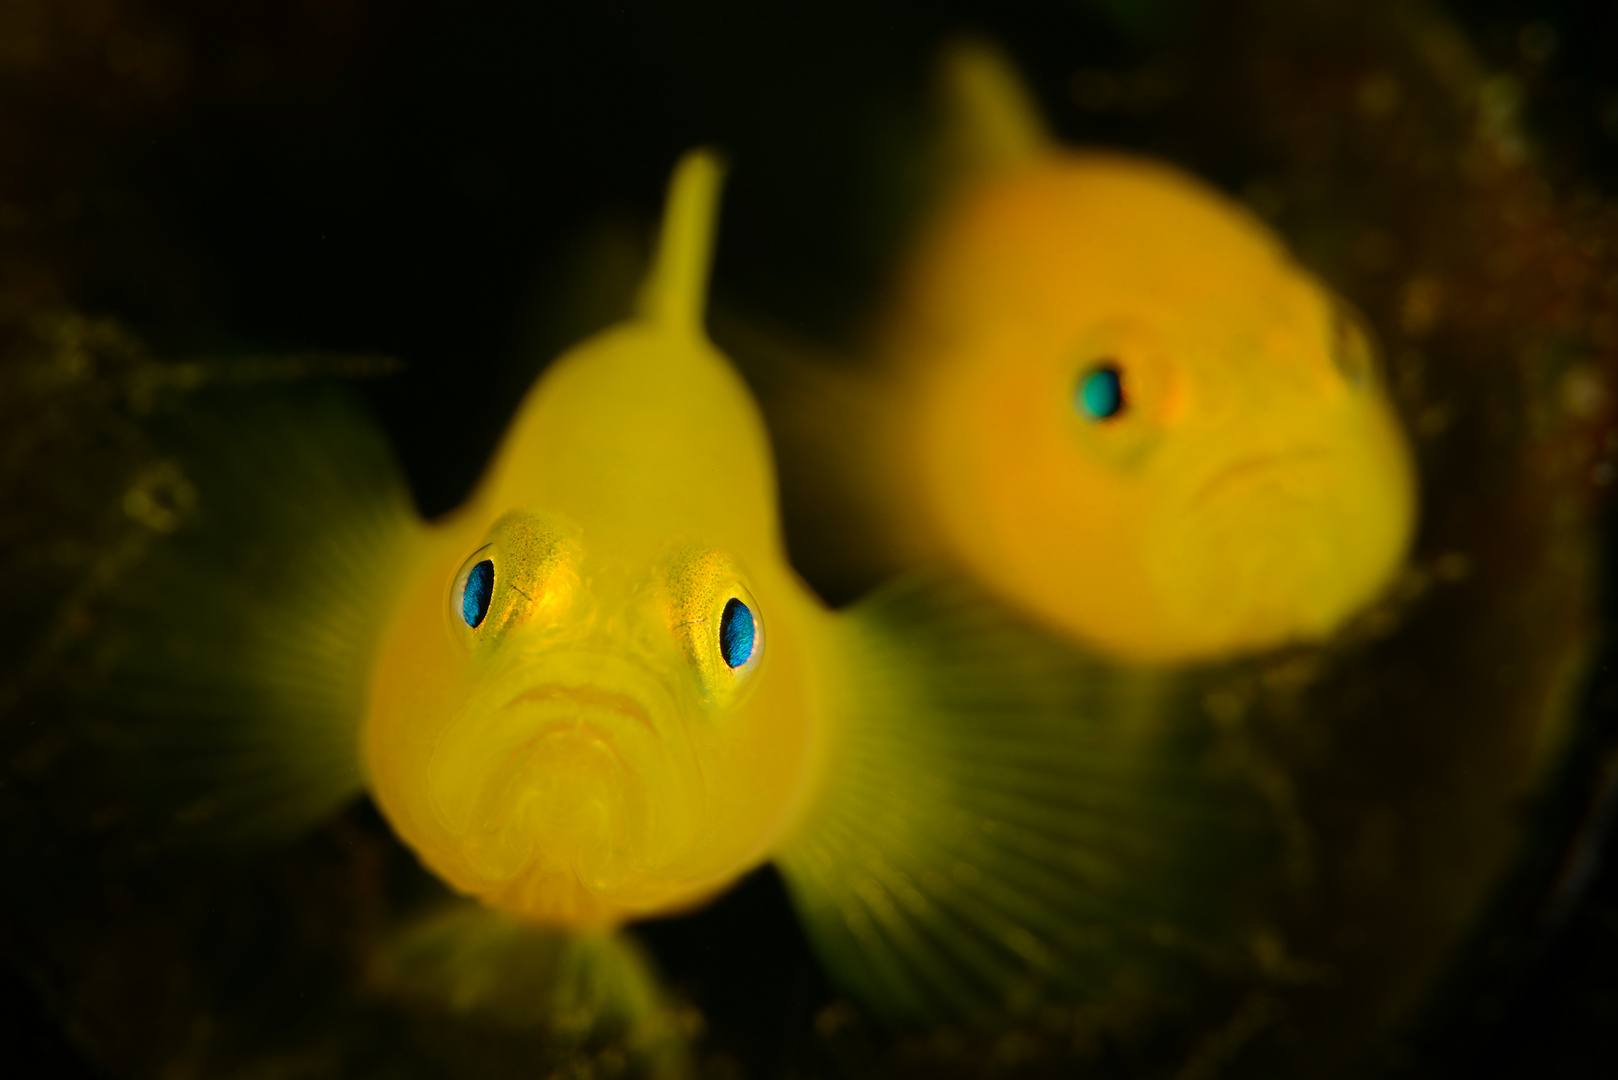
x=596 y=692
x=1108 y=393
x=599 y=696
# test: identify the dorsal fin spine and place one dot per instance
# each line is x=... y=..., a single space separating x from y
x=675 y=291
x=993 y=122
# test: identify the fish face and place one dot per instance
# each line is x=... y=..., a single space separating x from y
x=1280 y=516
x=1142 y=422
x=580 y=734
x=567 y=765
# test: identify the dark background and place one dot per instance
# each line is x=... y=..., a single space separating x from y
x=420 y=180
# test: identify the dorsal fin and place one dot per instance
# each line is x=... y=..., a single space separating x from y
x=991 y=121
x=675 y=291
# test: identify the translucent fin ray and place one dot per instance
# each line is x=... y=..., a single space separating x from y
x=1012 y=822
x=241 y=650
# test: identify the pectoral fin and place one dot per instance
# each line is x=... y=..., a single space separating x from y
x=241 y=648
x=1010 y=822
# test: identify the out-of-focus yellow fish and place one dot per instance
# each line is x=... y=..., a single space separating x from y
x=596 y=692
x=1109 y=393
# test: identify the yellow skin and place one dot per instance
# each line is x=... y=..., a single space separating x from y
x=1254 y=488
x=585 y=755
x=965 y=811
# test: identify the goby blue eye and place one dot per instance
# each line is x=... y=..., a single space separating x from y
x=1100 y=393
x=736 y=633
x=476 y=592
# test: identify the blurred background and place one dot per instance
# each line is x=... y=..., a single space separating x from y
x=433 y=184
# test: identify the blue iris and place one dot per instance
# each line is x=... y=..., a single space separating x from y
x=1101 y=393
x=475 y=595
x=736 y=633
